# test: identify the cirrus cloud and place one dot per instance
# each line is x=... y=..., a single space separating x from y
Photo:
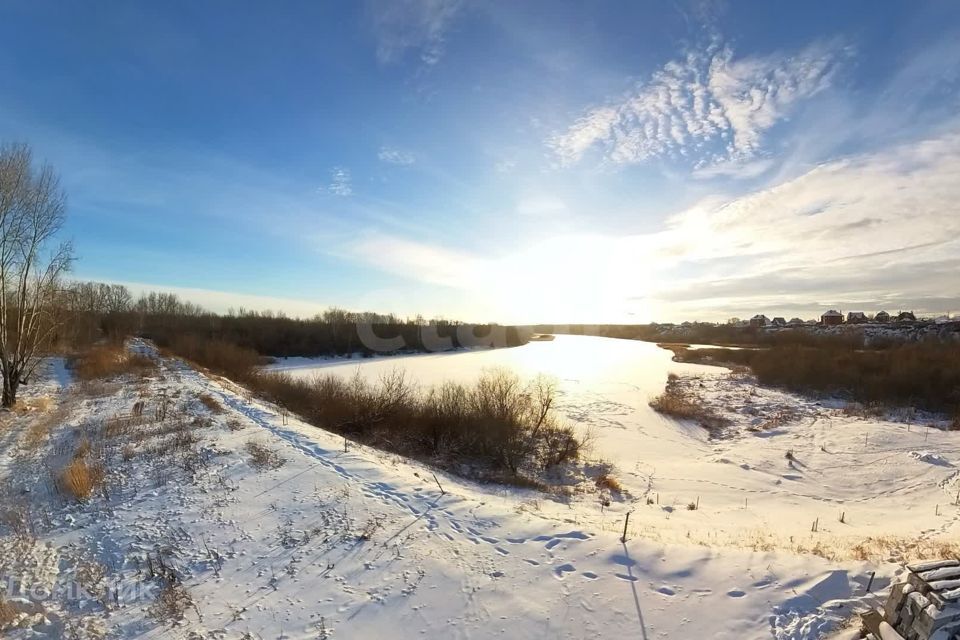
x=392 y=155
x=710 y=107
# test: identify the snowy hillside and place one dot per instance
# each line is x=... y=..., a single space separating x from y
x=221 y=517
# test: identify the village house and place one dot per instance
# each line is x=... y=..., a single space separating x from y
x=856 y=317
x=759 y=321
x=832 y=317
x=778 y=322
x=906 y=316
x=795 y=322
x=882 y=316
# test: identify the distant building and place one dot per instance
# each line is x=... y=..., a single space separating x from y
x=856 y=317
x=906 y=316
x=795 y=322
x=882 y=316
x=832 y=317
x=759 y=321
x=778 y=322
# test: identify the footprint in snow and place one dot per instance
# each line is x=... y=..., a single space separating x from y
x=562 y=571
x=589 y=575
x=626 y=577
x=736 y=593
x=666 y=591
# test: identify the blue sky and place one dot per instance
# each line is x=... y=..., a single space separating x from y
x=528 y=162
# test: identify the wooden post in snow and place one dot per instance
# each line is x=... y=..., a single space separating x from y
x=623 y=538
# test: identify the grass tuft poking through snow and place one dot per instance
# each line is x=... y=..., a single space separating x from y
x=79 y=480
x=211 y=403
x=262 y=457
x=8 y=614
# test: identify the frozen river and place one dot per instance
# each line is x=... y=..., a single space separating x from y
x=605 y=384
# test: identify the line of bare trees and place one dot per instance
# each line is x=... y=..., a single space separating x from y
x=101 y=310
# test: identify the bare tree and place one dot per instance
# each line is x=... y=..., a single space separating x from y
x=32 y=211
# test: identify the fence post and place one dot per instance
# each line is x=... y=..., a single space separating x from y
x=623 y=538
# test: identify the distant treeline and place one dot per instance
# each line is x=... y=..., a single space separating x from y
x=925 y=375
x=98 y=310
x=713 y=334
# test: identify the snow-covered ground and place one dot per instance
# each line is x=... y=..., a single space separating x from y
x=362 y=544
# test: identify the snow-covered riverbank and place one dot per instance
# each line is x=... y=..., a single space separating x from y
x=361 y=544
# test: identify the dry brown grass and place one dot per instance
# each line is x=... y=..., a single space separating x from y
x=108 y=361
x=678 y=403
x=7 y=613
x=607 y=481
x=39 y=430
x=211 y=403
x=262 y=457
x=41 y=404
x=905 y=549
x=79 y=479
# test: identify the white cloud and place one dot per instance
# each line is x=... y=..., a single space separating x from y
x=877 y=230
x=709 y=107
x=419 y=261
x=341 y=184
x=873 y=229
x=392 y=155
x=401 y=26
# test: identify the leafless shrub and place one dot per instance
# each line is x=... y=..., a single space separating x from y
x=235 y=425
x=678 y=403
x=262 y=457
x=501 y=426
x=91 y=575
x=18 y=518
x=172 y=604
